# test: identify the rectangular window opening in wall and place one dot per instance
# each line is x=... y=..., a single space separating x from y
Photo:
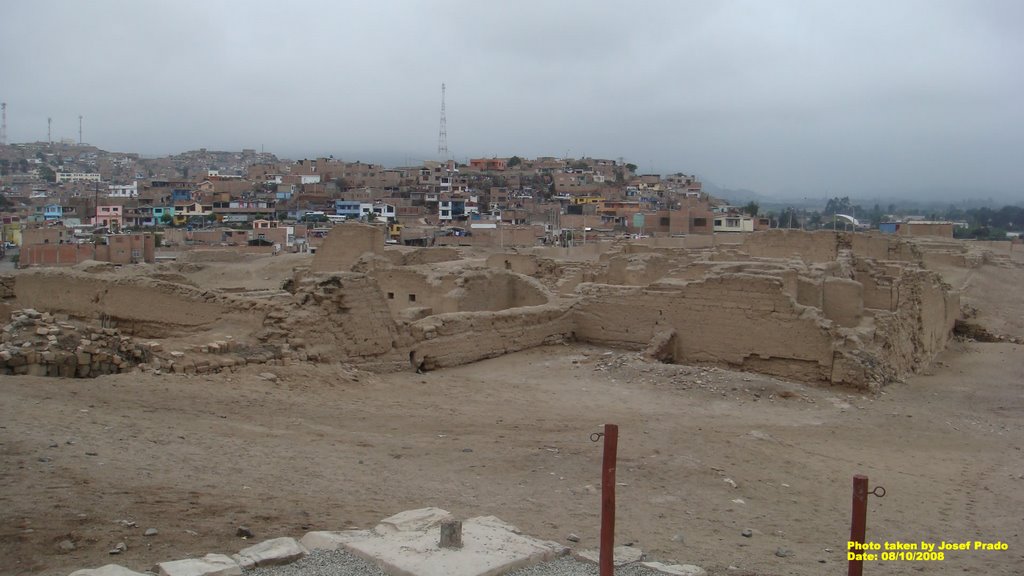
x=412 y=297
x=700 y=221
x=718 y=222
x=664 y=221
x=391 y=295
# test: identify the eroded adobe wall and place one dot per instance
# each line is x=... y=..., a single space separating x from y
x=793 y=244
x=334 y=317
x=877 y=246
x=460 y=338
x=344 y=246
x=405 y=288
x=347 y=317
x=140 y=306
x=742 y=320
x=494 y=290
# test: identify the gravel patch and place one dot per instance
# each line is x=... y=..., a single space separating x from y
x=322 y=563
x=341 y=563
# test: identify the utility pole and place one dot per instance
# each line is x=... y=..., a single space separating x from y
x=3 y=124
x=79 y=129
x=49 y=130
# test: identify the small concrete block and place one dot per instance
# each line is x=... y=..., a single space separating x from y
x=108 y=570
x=274 y=552
x=675 y=569
x=323 y=540
x=621 y=555
x=209 y=565
x=413 y=520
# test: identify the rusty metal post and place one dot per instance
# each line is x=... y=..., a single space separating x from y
x=611 y=445
x=858 y=526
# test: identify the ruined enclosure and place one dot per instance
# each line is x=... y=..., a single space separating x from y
x=851 y=309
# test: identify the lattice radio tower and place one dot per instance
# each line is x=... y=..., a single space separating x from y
x=442 y=135
x=49 y=130
x=3 y=124
x=79 y=129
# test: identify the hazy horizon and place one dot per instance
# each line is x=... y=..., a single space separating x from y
x=785 y=98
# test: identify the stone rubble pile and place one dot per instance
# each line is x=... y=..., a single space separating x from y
x=43 y=344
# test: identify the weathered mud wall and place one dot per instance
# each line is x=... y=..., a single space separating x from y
x=793 y=244
x=345 y=244
x=741 y=320
x=464 y=337
x=139 y=306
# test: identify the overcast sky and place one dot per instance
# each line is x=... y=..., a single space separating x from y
x=786 y=97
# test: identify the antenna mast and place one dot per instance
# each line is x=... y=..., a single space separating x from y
x=3 y=125
x=79 y=129
x=49 y=130
x=442 y=136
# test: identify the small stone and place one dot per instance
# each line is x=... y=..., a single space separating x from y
x=92 y=453
x=467 y=449
x=151 y=532
x=54 y=445
x=67 y=545
x=783 y=552
x=244 y=532
x=747 y=533
x=572 y=538
x=120 y=548
x=679 y=538
x=269 y=376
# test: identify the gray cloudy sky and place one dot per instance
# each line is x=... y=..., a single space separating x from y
x=794 y=97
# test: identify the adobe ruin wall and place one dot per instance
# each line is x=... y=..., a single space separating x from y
x=847 y=309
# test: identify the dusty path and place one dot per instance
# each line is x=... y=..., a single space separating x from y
x=324 y=448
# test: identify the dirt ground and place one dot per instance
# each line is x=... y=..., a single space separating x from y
x=704 y=454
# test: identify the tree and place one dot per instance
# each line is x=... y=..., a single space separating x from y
x=838 y=206
x=789 y=219
x=752 y=208
x=47 y=173
x=631 y=167
x=514 y=161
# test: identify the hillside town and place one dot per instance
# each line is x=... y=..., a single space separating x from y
x=63 y=203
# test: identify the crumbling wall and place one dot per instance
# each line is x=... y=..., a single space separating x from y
x=136 y=305
x=519 y=263
x=345 y=244
x=734 y=319
x=843 y=301
x=878 y=246
x=43 y=344
x=460 y=338
x=429 y=256
x=636 y=269
x=405 y=288
x=493 y=290
x=793 y=244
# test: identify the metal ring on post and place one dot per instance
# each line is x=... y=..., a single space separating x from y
x=875 y=492
x=596 y=436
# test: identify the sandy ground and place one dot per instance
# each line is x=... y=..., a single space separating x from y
x=324 y=448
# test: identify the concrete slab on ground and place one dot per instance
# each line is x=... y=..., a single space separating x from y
x=409 y=546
